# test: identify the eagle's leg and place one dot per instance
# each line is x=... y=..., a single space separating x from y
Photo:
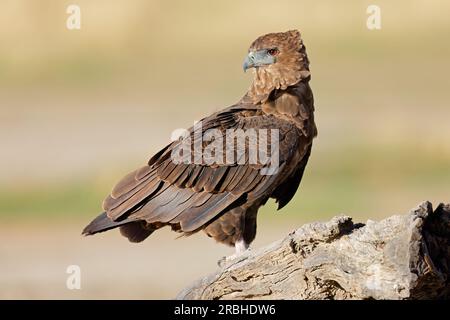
x=237 y=228
x=241 y=246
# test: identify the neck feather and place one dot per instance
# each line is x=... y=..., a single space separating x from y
x=289 y=70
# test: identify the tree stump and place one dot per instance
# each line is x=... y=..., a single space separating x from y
x=401 y=257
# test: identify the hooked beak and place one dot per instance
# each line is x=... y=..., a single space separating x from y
x=257 y=59
x=249 y=61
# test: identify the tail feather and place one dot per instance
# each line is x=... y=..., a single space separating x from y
x=102 y=223
x=135 y=231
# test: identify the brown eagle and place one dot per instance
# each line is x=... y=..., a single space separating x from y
x=223 y=199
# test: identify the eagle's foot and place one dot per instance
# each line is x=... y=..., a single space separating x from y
x=241 y=247
x=224 y=260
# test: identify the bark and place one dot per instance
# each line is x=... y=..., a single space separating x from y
x=401 y=257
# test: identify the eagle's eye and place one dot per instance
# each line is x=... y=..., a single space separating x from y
x=273 y=52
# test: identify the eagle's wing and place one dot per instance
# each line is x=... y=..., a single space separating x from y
x=188 y=196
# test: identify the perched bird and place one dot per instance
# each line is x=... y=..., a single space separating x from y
x=223 y=199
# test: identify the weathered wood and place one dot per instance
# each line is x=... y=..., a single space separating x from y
x=401 y=257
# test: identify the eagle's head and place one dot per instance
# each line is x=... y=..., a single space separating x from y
x=279 y=60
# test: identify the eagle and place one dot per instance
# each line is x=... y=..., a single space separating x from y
x=223 y=199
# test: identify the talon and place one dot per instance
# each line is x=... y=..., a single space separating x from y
x=223 y=261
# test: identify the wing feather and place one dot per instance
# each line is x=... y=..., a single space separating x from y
x=192 y=219
x=191 y=195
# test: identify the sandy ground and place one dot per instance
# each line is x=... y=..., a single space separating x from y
x=34 y=259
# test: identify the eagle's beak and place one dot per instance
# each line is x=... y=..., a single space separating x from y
x=257 y=59
x=249 y=61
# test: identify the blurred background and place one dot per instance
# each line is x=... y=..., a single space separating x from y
x=81 y=108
